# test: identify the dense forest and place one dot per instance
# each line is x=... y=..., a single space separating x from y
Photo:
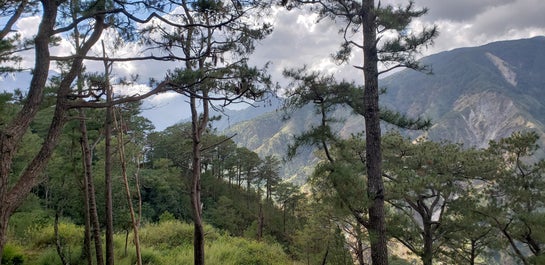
x=85 y=178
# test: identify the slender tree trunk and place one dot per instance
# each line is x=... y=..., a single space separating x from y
x=198 y=125
x=375 y=184
x=121 y=151
x=58 y=240
x=108 y=192
x=90 y=188
x=473 y=254
x=108 y=164
x=359 y=245
x=260 y=217
x=324 y=259
x=86 y=248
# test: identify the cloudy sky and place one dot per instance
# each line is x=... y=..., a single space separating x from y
x=298 y=40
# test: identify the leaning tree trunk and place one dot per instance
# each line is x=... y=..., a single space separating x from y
x=13 y=196
x=375 y=184
x=121 y=151
x=12 y=133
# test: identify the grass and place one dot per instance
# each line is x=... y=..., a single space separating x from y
x=167 y=242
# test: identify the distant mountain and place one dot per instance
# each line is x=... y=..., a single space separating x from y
x=231 y=117
x=474 y=95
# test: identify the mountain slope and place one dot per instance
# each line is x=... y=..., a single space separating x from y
x=474 y=95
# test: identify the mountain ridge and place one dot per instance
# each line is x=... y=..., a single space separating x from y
x=475 y=94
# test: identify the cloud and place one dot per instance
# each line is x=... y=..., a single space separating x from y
x=459 y=10
x=464 y=23
x=297 y=40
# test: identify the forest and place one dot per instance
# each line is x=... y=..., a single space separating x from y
x=86 y=179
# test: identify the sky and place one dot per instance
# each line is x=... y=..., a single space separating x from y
x=298 y=40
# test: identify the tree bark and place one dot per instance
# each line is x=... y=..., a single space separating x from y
x=11 y=135
x=90 y=188
x=260 y=220
x=375 y=183
x=198 y=125
x=108 y=166
x=135 y=223
x=427 y=255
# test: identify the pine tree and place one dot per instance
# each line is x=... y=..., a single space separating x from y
x=373 y=21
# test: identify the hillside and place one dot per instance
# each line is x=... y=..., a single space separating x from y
x=474 y=95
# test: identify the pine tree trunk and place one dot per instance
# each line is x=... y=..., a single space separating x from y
x=12 y=133
x=135 y=223
x=86 y=249
x=4 y=218
x=375 y=184
x=198 y=126
x=260 y=221
x=90 y=188
x=108 y=165
x=427 y=255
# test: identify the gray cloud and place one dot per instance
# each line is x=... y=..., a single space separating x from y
x=459 y=10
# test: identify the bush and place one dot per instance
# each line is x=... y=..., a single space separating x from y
x=69 y=233
x=12 y=255
x=240 y=251
x=169 y=234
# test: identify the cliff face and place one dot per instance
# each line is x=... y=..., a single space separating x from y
x=473 y=96
x=480 y=117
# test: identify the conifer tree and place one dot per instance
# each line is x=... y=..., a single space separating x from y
x=373 y=22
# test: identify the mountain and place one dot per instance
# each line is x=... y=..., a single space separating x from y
x=474 y=95
x=230 y=117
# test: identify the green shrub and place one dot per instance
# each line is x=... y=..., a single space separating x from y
x=12 y=255
x=167 y=234
x=22 y=222
x=172 y=233
x=149 y=257
x=69 y=233
x=166 y=216
x=240 y=251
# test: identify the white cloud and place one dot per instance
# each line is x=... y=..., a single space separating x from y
x=163 y=98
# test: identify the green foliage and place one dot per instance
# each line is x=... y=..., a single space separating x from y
x=517 y=197
x=13 y=255
x=44 y=237
x=167 y=234
x=430 y=186
x=166 y=217
x=168 y=242
x=238 y=251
